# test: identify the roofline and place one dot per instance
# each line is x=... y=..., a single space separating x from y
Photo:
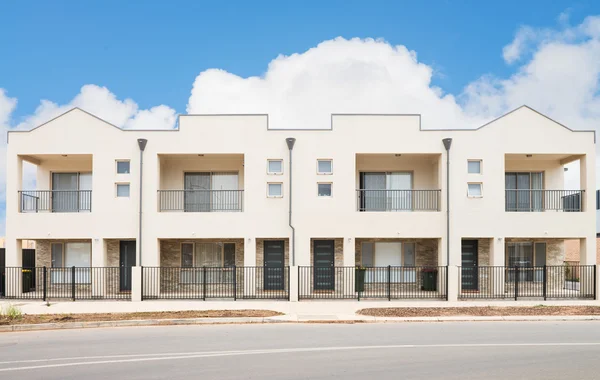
x=310 y=129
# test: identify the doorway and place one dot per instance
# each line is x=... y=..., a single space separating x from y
x=274 y=256
x=126 y=260
x=469 y=263
x=323 y=259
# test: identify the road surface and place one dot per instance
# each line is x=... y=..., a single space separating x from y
x=480 y=350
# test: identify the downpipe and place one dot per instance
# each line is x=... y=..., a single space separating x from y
x=290 y=143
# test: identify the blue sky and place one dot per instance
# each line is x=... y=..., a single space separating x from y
x=139 y=63
x=151 y=51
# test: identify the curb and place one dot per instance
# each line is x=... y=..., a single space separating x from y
x=265 y=320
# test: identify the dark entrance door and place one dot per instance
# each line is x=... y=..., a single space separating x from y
x=2 y=272
x=274 y=254
x=28 y=270
x=127 y=260
x=469 y=275
x=323 y=259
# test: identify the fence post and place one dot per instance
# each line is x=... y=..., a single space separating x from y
x=44 y=290
x=595 y=266
x=545 y=281
x=516 y=282
x=389 y=287
x=204 y=283
x=288 y=284
x=234 y=283
x=355 y=279
x=73 y=282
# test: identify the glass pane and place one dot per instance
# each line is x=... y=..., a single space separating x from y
x=409 y=254
x=123 y=190
x=399 y=196
x=540 y=254
x=197 y=192
x=324 y=166
x=187 y=255
x=123 y=167
x=229 y=254
x=474 y=167
x=65 y=197
x=209 y=255
x=274 y=189
x=57 y=255
x=78 y=254
x=224 y=192
x=367 y=254
x=324 y=189
x=275 y=166
x=475 y=189
x=373 y=197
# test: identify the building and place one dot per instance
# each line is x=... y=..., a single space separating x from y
x=300 y=211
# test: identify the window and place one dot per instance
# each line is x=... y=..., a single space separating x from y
x=122 y=190
x=324 y=189
x=324 y=166
x=72 y=192
x=474 y=190
x=64 y=256
x=474 y=166
x=386 y=191
x=275 y=190
x=123 y=167
x=214 y=259
x=531 y=257
x=523 y=191
x=210 y=192
x=399 y=256
x=275 y=166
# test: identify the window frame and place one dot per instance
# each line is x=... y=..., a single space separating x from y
x=330 y=189
x=64 y=273
x=217 y=275
x=330 y=160
x=408 y=274
x=269 y=160
x=118 y=161
x=269 y=187
x=480 y=188
x=480 y=161
x=117 y=184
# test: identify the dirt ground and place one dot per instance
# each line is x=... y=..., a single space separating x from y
x=61 y=318
x=479 y=311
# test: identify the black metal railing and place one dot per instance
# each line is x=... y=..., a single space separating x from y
x=74 y=283
x=544 y=200
x=55 y=200
x=542 y=282
x=398 y=200
x=201 y=200
x=391 y=282
x=202 y=283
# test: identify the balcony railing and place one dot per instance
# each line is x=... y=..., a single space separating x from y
x=201 y=200
x=544 y=200
x=55 y=201
x=398 y=200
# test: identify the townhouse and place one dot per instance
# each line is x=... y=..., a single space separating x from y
x=373 y=207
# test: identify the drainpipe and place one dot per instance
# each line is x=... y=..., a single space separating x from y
x=447 y=143
x=142 y=144
x=290 y=143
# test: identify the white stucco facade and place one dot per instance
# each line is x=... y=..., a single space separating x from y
x=521 y=141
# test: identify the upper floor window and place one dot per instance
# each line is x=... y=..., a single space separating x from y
x=325 y=166
x=275 y=190
x=474 y=166
x=122 y=190
x=474 y=190
x=123 y=167
x=275 y=166
x=324 y=189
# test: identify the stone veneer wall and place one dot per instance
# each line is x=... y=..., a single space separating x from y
x=426 y=249
x=338 y=247
x=170 y=250
x=260 y=251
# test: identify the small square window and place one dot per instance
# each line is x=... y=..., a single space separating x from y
x=324 y=166
x=122 y=167
x=122 y=190
x=275 y=167
x=275 y=190
x=474 y=190
x=324 y=189
x=474 y=166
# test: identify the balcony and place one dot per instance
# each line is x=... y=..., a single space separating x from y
x=398 y=200
x=544 y=200
x=201 y=200
x=32 y=201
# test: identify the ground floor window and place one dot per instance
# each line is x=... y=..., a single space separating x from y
x=218 y=258
x=67 y=255
x=530 y=257
x=399 y=256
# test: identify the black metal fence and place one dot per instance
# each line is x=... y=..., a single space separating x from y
x=543 y=282
x=202 y=283
x=201 y=200
x=74 y=283
x=398 y=200
x=55 y=200
x=544 y=200
x=391 y=282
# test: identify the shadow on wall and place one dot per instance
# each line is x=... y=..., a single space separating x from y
x=572 y=250
x=27 y=244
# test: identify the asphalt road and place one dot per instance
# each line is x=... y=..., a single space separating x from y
x=480 y=350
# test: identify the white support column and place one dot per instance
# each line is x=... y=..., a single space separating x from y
x=14 y=262
x=99 y=275
x=587 y=256
x=252 y=279
x=151 y=276
x=136 y=284
x=496 y=280
x=349 y=260
x=303 y=259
